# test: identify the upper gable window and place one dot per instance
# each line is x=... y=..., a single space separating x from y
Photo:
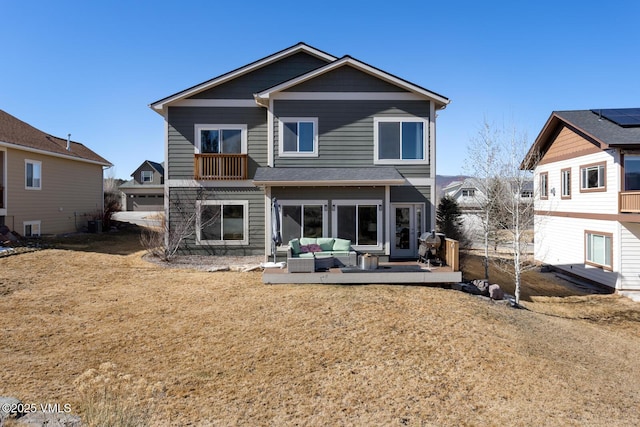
x=146 y=176
x=33 y=174
x=298 y=136
x=221 y=139
x=399 y=140
x=468 y=192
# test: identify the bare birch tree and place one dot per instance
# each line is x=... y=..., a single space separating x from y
x=481 y=163
x=515 y=199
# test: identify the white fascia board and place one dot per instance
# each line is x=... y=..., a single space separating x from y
x=192 y=183
x=52 y=154
x=358 y=65
x=159 y=106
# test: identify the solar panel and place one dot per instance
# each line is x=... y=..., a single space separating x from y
x=625 y=117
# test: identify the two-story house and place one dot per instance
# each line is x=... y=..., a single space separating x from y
x=48 y=185
x=145 y=190
x=587 y=179
x=347 y=149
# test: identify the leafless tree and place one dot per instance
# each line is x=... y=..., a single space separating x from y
x=481 y=163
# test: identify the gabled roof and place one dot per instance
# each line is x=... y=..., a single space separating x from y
x=158 y=167
x=440 y=101
x=332 y=64
x=300 y=47
x=592 y=126
x=18 y=134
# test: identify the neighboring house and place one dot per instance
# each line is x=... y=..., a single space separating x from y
x=470 y=196
x=347 y=149
x=145 y=192
x=48 y=185
x=587 y=180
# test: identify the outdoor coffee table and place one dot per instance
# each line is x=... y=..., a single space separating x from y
x=323 y=262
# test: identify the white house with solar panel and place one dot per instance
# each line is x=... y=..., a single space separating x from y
x=347 y=149
x=587 y=186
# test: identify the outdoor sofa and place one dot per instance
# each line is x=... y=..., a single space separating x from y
x=305 y=251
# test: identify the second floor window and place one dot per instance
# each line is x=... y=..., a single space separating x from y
x=146 y=176
x=592 y=177
x=544 y=185
x=468 y=192
x=33 y=174
x=631 y=172
x=221 y=139
x=565 y=175
x=400 y=140
x=298 y=136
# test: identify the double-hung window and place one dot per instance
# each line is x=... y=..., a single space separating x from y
x=544 y=185
x=598 y=248
x=33 y=174
x=400 y=140
x=303 y=219
x=565 y=176
x=468 y=192
x=146 y=176
x=222 y=222
x=592 y=177
x=359 y=221
x=298 y=136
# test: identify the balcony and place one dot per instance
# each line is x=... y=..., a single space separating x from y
x=629 y=201
x=220 y=166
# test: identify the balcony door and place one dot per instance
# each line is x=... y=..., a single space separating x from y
x=406 y=226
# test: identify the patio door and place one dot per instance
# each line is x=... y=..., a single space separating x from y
x=406 y=227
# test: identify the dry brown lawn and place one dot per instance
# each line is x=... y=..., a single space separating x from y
x=223 y=349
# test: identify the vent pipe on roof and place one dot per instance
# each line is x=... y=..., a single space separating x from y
x=68 y=142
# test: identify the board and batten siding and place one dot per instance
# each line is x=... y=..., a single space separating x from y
x=243 y=87
x=181 y=139
x=629 y=256
x=71 y=193
x=561 y=242
x=594 y=202
x=345 y=131
x=183 y=205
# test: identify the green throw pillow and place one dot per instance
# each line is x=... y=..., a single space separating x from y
x=295 y=246
x=341 y=245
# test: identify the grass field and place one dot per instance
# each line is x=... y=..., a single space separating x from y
x=179 y=346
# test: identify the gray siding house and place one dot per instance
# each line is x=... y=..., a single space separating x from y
x=145 y=190
x=347 y=149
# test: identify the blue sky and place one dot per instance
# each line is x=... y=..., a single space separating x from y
x=92 y=68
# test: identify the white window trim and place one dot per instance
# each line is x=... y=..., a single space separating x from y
x=201 y=127
x=425 y=139
x=142 y=176
x=33 y=162
x=282 y=121
x=222 y=203
x=334 y=221
x=584 y=177
x=325 y=216
x=31 y=223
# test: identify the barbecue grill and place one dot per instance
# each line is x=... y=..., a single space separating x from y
x=431 y=249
